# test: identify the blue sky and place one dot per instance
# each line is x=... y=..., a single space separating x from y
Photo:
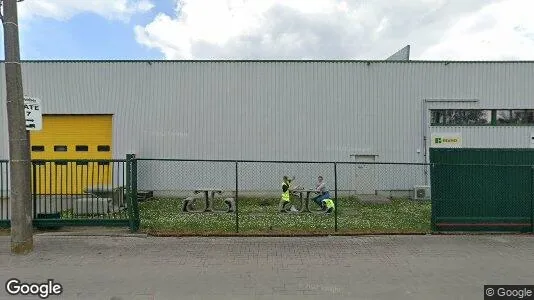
x=86 y=36
x=50 y=39
x=275 y=29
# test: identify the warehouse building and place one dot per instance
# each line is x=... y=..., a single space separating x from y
x=367 y=111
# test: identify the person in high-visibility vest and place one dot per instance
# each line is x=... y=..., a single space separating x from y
x=320 y=188
x=329 y=205
x=286 y=198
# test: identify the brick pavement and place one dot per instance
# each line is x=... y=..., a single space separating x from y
x=382 y=267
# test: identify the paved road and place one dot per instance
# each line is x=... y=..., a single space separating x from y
x=383 y=267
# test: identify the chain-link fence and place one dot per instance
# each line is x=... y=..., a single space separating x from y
x=187 y=196
x=226 y=196
x=383 y=197
x=261 y=209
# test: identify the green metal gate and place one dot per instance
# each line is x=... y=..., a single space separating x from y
x=482 y=189
x=78 y=193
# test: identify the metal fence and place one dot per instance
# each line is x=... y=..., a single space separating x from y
x=482 y=197
x=169 y=177
x=367 y=196
x=218 y=197
x=5 y=212
x=482 y=189
x=73 y=192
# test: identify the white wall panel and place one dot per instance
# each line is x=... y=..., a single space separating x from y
x=320 y=111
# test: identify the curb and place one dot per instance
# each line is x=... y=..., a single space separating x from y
x=88 y=234
x=156 y=234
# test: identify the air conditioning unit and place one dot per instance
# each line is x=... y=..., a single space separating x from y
x=421 y=192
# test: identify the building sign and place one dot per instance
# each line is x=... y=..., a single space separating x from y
x=33 y=113
x=446 y=140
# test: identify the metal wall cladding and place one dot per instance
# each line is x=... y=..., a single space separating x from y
x=286 y=110
x=491 y=136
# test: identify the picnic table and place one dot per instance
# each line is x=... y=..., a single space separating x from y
x=209 y=196
x=306 y=206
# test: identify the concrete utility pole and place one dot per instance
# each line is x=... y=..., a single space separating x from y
x=19 y=142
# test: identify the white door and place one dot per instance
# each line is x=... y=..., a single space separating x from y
x=365 y=181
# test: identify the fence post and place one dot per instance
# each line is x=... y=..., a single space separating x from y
x=34 y=185
x=335 y=197
x=129 y=158
x=532 y=198
x=433 y=199
x=135 y=200
x=236 y=199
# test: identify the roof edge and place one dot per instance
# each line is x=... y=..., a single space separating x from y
x=280 y=61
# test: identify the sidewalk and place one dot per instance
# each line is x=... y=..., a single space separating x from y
x=382 y=267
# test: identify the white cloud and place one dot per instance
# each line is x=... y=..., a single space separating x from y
x=63 y=10
x=502 y=30
x=342 y=29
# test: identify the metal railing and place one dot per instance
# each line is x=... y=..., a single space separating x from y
x=5 y=212
x=74 y=192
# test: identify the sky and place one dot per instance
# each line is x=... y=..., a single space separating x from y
x=275 y=29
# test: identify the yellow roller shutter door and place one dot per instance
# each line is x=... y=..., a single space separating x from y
x=64 y=137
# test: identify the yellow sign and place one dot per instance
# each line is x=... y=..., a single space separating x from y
x=446 y=140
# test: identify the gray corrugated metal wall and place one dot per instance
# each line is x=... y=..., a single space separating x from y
x=274 y=110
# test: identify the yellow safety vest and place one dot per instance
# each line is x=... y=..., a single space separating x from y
x=285 y=195
x=329 y=203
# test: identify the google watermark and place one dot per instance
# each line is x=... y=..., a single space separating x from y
x=42 y=290
x=509 y=292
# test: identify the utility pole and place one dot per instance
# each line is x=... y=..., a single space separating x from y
x=19 y=142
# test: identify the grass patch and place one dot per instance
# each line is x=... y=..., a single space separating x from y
x=399 y=216
x=259 y=216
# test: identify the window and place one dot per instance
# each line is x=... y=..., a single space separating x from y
x=515 y=117
x=103 y=148
x=39 y=163
x=38 y=148
x=437 y=117
x=460 y=117
x=103 y=163
x=503 y=117
x=61 y=163
x=82 y=163
x=60 y=148
x=481 y=117
x=82 y=148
